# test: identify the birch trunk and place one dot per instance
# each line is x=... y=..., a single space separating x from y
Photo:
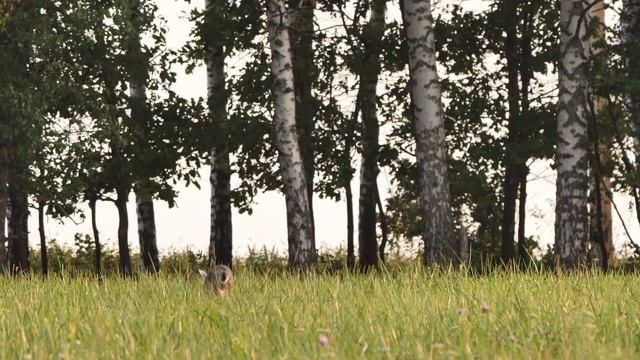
x=571 y=161
x=367 y=95
x=431 y=150
x=302 y=251
x=221 y=236
x=305 y=74
x=149 y=256
x=150 y=261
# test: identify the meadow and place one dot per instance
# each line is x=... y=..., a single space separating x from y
x=411 y=314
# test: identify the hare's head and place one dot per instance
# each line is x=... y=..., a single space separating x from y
x=219 y=280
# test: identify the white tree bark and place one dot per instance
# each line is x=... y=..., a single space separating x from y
x=431 y=150
x=573 y=114
x=302 y=252
x=220 y=242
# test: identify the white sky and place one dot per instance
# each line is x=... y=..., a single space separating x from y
x=187 y=226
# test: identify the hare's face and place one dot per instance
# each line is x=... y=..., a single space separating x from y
x=218 y=280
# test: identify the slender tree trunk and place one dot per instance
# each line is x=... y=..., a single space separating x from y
x=431 y=150
x=4 y=202
x=526 y=74
x=43 y=241
x=630 y=38
x=573 y=113
x=524 y=254
x=149 y=255
x=630 y=26
x=93 y=199
x=18 y=230
x=123 y=232
x=597 y=248
x=464 y=245
x=221 y=235
x=608 y=248
x=302 y=249
x=351 y=255
x=305 y=74
x=367 y=96
x=601 y=232
x=383 y=226
x=511 y=177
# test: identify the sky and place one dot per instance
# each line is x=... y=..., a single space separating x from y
x=187 y=225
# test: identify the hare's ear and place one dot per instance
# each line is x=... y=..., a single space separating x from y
x=202 y=273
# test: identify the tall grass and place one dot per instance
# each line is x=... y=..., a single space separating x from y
x=411 y=314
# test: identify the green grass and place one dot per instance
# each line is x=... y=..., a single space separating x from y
x=412 y=315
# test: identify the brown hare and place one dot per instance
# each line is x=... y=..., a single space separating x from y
x=219 y=280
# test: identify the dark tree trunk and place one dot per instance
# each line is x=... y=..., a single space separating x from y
x=523 y=250
x=4 y=202
x=221 y=223
x=603 y=181
x=304 y=75
x=220 y=235
x=351 y=255
x=367 y=96
x=526 y=74
x=599 y=227
x=43 y=241
x=123 y=232
x=367 y=221
x=93 y=199
x=508 y=215
x=511 y=178
x=383 y=226
x=149 y=255
x=18 y=230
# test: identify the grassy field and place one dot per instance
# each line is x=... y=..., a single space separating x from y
x=412 y=315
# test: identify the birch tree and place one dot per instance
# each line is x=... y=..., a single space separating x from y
x=431 y=150
x=305 y=75
x=367 y=97
x=302 y=252
x=221 y=241
x=149 y=256
x=571 y=151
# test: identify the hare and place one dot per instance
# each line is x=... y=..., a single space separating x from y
x=219 y=280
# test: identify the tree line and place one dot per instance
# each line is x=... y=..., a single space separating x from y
x=455 y=104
